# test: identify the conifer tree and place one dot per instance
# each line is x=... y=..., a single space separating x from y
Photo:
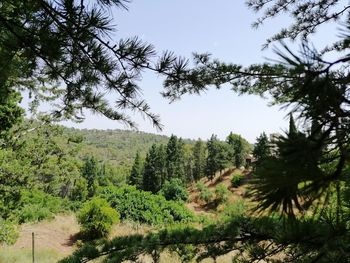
x=218 y=156
x=90 y=171
x=239 y=149
x=175 y=161
x=136 y=172
x=261 y=148
x=293 y=131
x=199 y=157
x=154 y=173
x=161 y=164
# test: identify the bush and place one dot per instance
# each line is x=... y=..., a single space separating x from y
x=145 y=207
x=200 y=186
x=221 y=193
x=96 y=218
x=36 y=205
x=238 y=208
x=174 y=190
x=8 y=233
x=204 y=193
x=80 y=190
x=236 y=180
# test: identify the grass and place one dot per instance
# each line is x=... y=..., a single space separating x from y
x=12 y=255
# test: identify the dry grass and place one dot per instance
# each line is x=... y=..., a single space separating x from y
x=56 y=235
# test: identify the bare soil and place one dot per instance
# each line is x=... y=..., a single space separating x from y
x=57 y=234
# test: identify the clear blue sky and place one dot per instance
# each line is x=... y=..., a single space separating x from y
x=222 y=28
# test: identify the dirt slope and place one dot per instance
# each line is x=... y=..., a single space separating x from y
x=220 y=178
x=57 y=235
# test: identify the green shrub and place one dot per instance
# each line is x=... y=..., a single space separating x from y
x=174 y=190
x=8 y=233
x=80 y=190
x=96 y=218
x=200 y=186
x=221 y=193
x=36 y=205
x=206 y=195
x=145 y=207
x=238 y=208
x=237 y=179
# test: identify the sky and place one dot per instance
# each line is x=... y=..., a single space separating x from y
x=222 y=28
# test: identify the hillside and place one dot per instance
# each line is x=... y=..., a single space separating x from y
x=117 y=146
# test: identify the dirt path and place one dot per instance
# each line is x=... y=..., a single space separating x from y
x=55 y=235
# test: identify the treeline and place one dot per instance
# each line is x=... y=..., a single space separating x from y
x=186 y=163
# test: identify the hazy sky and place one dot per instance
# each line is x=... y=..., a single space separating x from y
x=222 y=28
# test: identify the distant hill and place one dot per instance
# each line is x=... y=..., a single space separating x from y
x=117 y=146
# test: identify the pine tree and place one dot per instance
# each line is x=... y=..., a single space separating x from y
x=218 y=156
x=239 y=149
x=293 y=131
x=261 y=148
x=136 y=172
x=90 y=172
x=199 y=157
x=154 y=173
x=239 y=153
x=211 y=166
x=161 y=164
x=175 y=160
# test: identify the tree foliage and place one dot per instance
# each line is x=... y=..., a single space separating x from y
x=218 y=156
x=261 y=148
x=136 y=172
x=154 y=172
x=240 y=148
x=66 y=54
x=174 y=190
x=199 y=156
x=175 y=161
x=96 y=218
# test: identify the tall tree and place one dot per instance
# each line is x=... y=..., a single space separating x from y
x=239 y=149
x=199 y=156
x=136 y=172
x=154 y=173
x=175 y=161
x=261 y=148
x=292 y=127
x=90 y=171
x=218 y=156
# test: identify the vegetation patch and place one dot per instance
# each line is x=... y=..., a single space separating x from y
x=96 y=218
x=8 y=233
x=237 y=179
x=174 y=190
x=145 y=207
x=36 y=205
